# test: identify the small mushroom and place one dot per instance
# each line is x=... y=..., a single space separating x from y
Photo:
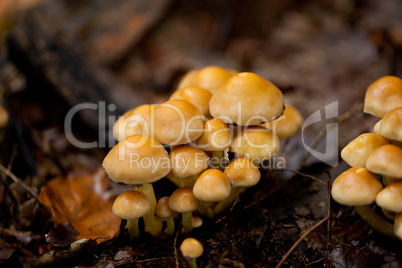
x=131 y=205
x=358 y=150
x=139 y=160
x=391 y=125
x=132 y=122
x=209 y=78
x=390 y=198
x=175 y=122
x=215 y=136
x=211 y=186
x=386 y=160
x=197 y=96
x=242 y=173
x=163 y=210
x=247 y=99
x=191 y=249
x=183 y=201
x=287 y=124
x=383 y=95
x=196 y=221
x=187 y=163
x=359 y=187
x=256 y=144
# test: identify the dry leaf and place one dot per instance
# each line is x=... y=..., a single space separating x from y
x=85 y=202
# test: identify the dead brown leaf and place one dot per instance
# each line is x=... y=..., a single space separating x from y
x=84 y=201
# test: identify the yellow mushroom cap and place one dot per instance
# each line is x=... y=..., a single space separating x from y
x=390 y=198
x=132 y=122
x=383 y=95
x=131 y=205
x=162 y=208
x=212 y=186
x=215 y=137
x=376 y=128
x=358 y=150
x=242 y=173
x=197 y=96
x=136 y=160
x=175 y=122
x=209 y=78
x=391 y=125
x=187 y=161
x=196 y=221
x=386 y=160
x=287 y=124
x=255 y=143
x=356 y=187
x=183 y=200
x=191 y=247
x=3 y=116
x=247 y=99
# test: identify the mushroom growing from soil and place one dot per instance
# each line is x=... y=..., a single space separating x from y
x=175 y=122
x=212 y=186
x=131 y=205
x=246 y=99
x=358 y=150
x=383 y=95
x=183 y=201
x=163 y=210
x=191 y=249
x=139 y=160
x=242 y=173
x=359 y=187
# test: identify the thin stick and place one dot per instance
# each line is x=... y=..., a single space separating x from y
x=175 y=248
x=329 y=217
x=299 y=241
x=299 y=173
x=18 y=181
x=340 y=119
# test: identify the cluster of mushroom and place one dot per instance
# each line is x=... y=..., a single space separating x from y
x=209 y=139
x=378 y=153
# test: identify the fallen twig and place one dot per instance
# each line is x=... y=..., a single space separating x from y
x=340 y=119
x=18 y=181
x=299 y=241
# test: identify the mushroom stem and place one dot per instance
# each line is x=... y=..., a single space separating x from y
x=205 y=209
x=169 y=226
x=153 y=224
x=189 y=181
x=186 y=221
x=132 y=227
x=191 y=262
x=174 y=180
x=375 y=221
x=225 y=204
